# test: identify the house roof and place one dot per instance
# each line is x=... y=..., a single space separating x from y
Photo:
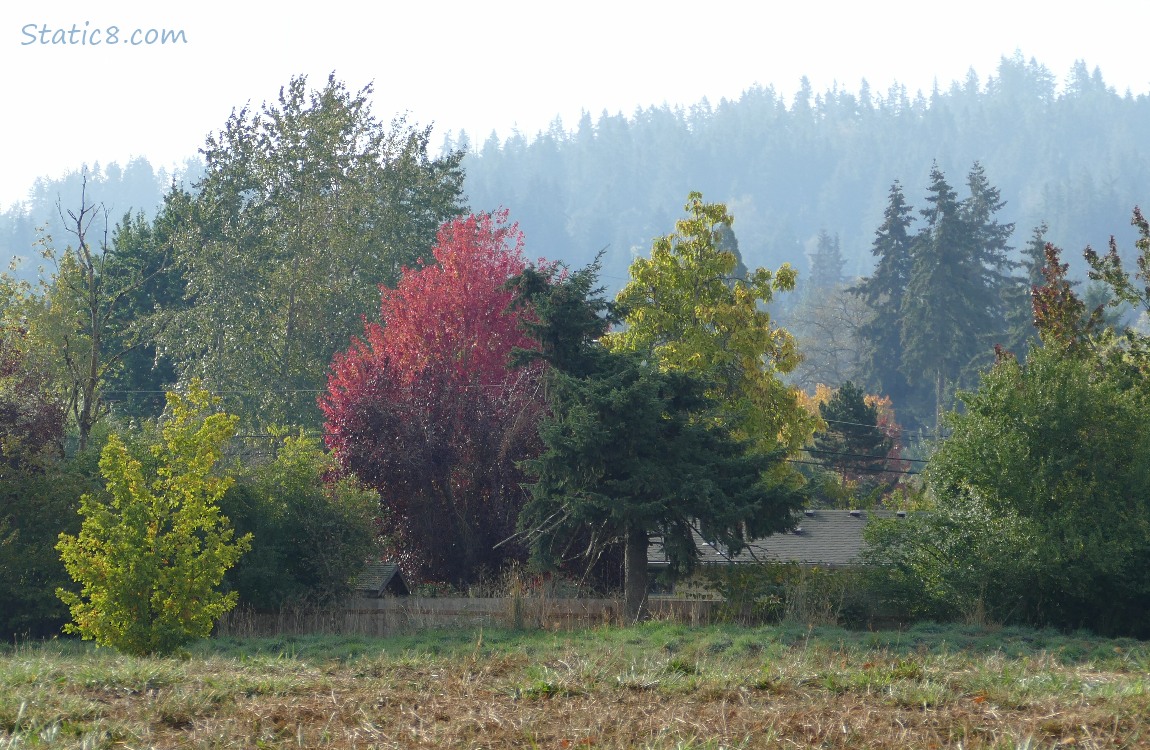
x=379 y=578
x=821 y=537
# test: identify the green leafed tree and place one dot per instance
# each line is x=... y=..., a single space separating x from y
x=307 y=206
x=38 y=489
x=1059 y=442
x=134 y=387
x=686 y=307
x=1019 y=319
x=98 y=310
x=151 y=552
x=632 y=452
x=1043 y=483
x=1123 y=289
x=960 y=560
x=312 y=530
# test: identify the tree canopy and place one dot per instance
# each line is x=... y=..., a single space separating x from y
x=883 y=292
x=312 y=527
x=1042 y=486
x=632 y=452
x=152 y=552
x=426 y=409
x=685 y=307
x=307 y=205
x=941 y=298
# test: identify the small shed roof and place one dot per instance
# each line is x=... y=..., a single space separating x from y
x=820 y=537
x=380 y=578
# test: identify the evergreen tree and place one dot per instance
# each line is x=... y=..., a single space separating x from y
x=989 y=240
x=632 y=452
x=1020 y=331
x=990 y=236
x=853 y=444
x=727 y=242
x=136 y=387
x=826 y=264
x=883 y=292
x=945 y=310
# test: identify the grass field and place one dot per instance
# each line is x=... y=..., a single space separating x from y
x=653 y=686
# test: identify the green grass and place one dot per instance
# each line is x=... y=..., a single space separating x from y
x=659 y=685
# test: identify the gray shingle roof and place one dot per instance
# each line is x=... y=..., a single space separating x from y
x=822 y=537
x=379 y=578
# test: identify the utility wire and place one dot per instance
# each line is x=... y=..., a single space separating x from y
x=863 y=455
x=876 y=471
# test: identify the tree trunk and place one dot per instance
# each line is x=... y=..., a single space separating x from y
x=635 y=575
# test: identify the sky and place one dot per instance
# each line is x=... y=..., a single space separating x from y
x=497 y=65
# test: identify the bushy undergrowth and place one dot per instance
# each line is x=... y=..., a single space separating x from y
x=792 y=593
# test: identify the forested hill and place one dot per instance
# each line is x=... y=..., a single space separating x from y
x=1070 y=152
x=136 y=187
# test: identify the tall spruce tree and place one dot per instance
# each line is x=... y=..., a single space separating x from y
x=945 y=311
x=1020 y=330
x=826 y=264
x=990 y=236
x=989 y=242
x=727 y=242
x=826 y=319
x=883 y=291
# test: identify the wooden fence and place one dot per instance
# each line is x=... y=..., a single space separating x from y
x=394 y=615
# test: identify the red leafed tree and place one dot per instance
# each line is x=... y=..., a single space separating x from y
x=426 y=409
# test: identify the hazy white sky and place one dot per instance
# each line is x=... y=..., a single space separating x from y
x=499 y=64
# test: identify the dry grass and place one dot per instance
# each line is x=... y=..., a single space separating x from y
x=655 y=686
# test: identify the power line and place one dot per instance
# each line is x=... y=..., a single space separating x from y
x=852 y=424
x=863 y=455
x=228 y=393
x=860 y=424
x=877 y=471
x=264 y=391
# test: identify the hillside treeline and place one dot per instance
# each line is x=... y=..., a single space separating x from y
x=1069 y=152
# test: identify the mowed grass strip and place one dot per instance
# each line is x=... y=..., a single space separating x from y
x=653 y=686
